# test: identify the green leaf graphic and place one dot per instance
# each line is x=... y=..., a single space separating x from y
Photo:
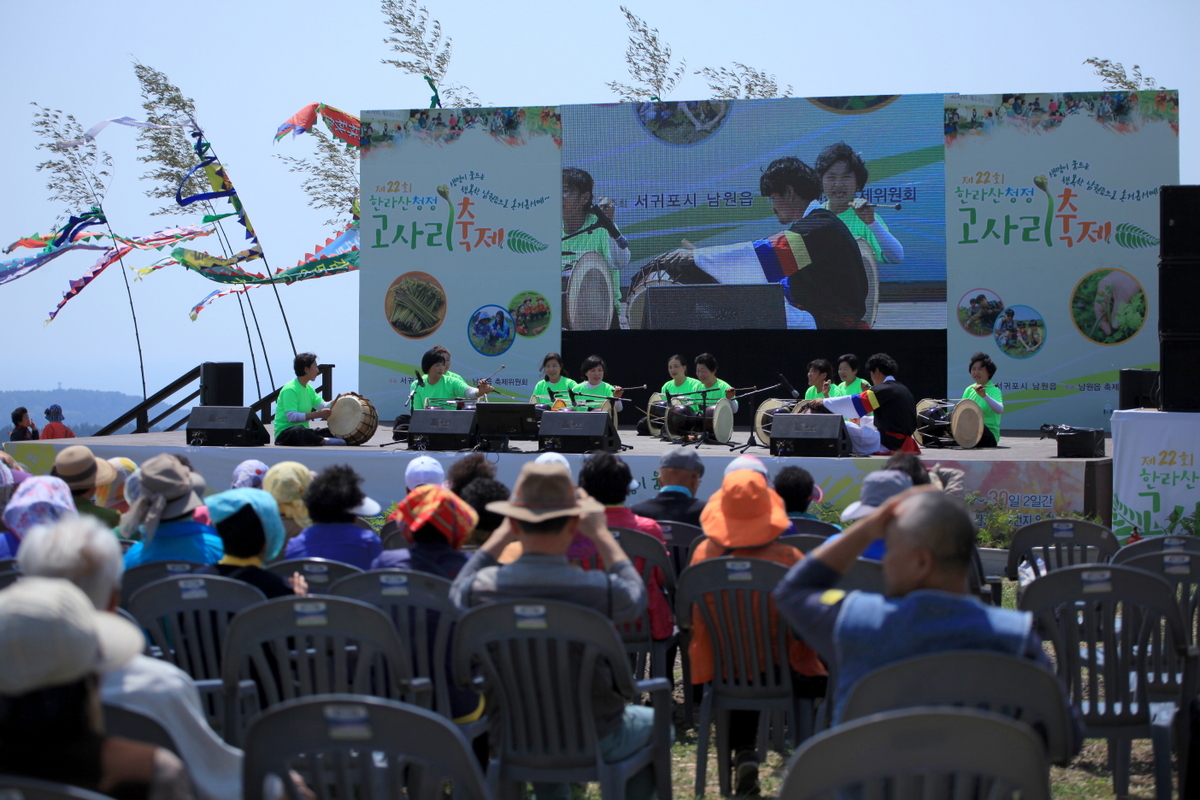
x=1134 y=238
x=522 y=242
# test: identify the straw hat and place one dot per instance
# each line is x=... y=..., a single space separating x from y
x=544 y=491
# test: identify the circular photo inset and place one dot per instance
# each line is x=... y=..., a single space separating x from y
x=1020 y=332
x=415 y=305
x=978 y=310
x=1108 y=306
x=683 y=123
x=855 y=104
x=531 y=313
x=491 y=330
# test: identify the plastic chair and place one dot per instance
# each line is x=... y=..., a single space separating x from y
x=814 y=527
x=348 y=746
x=13 y=787
x=135 y=578
x=1059 y=543
x=1121 y=648
x=1155 y=544
x=804 y=542
x=320 y=573
x=1003 y=684
x=640 y=545
x=302 y=646
x=539 y=659
x=679 y=537
x=130 y=724
x=396 y=540
x=751 y=671
x=922 y=752
x=1182 y=571
x=865 y=576
x=186 y=618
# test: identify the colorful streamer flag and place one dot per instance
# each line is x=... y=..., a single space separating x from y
x=343 y=126
x=65 y=240
x=111 y=256
x=222 y=186
x=94 y=131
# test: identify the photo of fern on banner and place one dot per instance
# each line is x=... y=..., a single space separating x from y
x=458 y=207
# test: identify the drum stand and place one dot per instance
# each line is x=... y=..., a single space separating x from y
x=751 y=442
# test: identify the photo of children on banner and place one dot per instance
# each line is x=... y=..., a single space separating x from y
x=978 y=310
x=1020 y=332
x=491 y=331
x=531 y=314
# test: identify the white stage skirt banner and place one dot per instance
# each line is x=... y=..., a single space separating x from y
x=1156 y=486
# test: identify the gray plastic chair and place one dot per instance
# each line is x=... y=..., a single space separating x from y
x=640 y=545
x=1003 y=684
x=865 y=576
x=349 y=746
x=804 y=542
x=1157 y=544
x=922 y=752
x=396 y=540
x=320 y=573
x=679 y=537
x=538 y=659
x=130 y=724
x=1121 y=648
x=814 y=527
x=1059 y=543
x=303 y=646
x=1181 y=570
x=13 y=787
x=186 y=617
x=751 y=671
x=135 y=578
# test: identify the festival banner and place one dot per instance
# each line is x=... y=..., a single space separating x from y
x=1052 y=214
x=460 y=219
x=1156 y=485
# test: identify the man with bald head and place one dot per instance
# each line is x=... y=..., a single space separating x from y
x=928 y=607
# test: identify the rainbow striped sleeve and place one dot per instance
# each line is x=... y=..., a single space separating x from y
x=865 y=403
x=781 y=255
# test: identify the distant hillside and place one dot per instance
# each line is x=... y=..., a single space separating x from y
x=83 y=408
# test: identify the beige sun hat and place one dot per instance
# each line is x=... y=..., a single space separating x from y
x=79 y=467
x=544 y=491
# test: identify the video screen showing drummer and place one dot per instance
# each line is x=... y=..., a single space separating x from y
x=893 y=407
x=554 y=385
x=298 y=404
x=843 y=176
x=594 y=392
x=987 y=395
x=589 y=227
x=437 y=383
x=815 y=258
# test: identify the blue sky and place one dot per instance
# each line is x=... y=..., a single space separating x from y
x=250 y=65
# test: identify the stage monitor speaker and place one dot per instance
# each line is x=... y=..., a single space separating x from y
x=809 y=435
x=1080 y=442
x=440 y=429
x=1179 y=365
x=1179 y=222
x=225 y=426
x=578 y=432
x=1139 y=389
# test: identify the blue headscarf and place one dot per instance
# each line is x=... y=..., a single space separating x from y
x=224 y=505
x=54 y=413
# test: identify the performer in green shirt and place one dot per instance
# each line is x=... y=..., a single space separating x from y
x=988 y=396
x=439 y=384
x=843 y=175
x=584 y=229
x=298 y=403
x=680 y=382
x=819 y=371
x=848 y=371
x=554 y=380
x=593 y=371
x=713 y=388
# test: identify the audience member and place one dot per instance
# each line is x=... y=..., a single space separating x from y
x=9 y=541
x=38 y=500
x=161 y=517
x=928 y=607
x=751 y=463
x=544 y=514
x=334 y=500
x=83 y=473
x=679 y=472
x=798 y=490
x=83 y=552
x=467 y=469
x=745 y=518
x=112 y=495
x=477 y=494
x=436 y=523
x=422 y=470
x=551 y=457
x=247 y=520
x=23 y=428
x=55 y=646
x=877 y=488
x=287 y=482
x=606 y=478
x=248 y=475
x=947 y=479
x=55 y=429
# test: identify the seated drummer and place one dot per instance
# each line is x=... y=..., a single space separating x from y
x=680 y=382
x=848 y=372
x=553 y=380
x=893 y=404
x=988 y=396
x=713 y=388
x=298 y=403
x=440 y=384
x=819 y=371
x=594 y=389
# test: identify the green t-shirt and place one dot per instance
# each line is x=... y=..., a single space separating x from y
x=294 y=396
x=690 y=384
x=449 y=387
x=813 y=392
x=856 y=386
x=712 y=394
x=541 y=392
x=860 y=230
x=604 y=389
x=991 y=420
x=597 y=241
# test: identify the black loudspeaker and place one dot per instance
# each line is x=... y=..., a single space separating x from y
x=578 y=432
x=221 y=383
x=1139 y=389
x=1179 y=259
x=225 y=426
x=1080 y=442
x=1179 y=221
x=1179 y=362
x=439 y=429
x=809 y=435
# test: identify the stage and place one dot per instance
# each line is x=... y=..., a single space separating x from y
x=1023 y=473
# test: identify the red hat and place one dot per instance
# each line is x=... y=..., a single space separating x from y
x=440 y=507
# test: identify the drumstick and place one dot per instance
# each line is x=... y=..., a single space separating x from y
x=755 y=390
x=489 y=377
